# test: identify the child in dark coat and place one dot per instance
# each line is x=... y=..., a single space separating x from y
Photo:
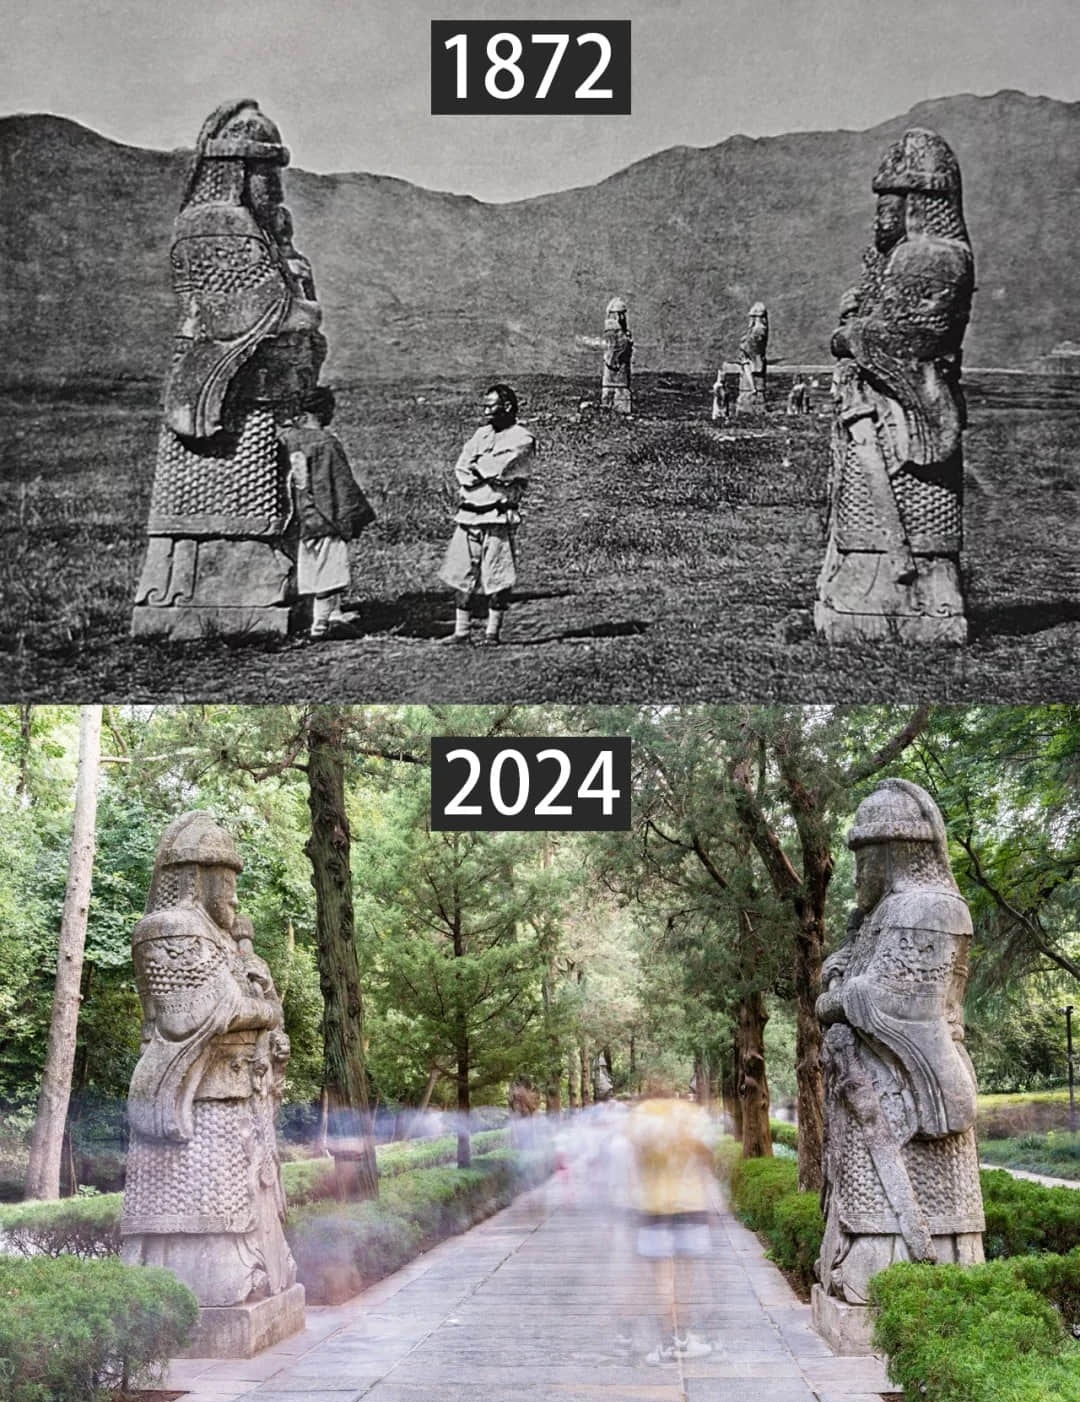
x=330 y=508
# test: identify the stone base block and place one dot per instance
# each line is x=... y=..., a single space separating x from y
x=241 y=1331
x=834 y=627
x=865 y=594
x=185 y=624
x=847 y=1329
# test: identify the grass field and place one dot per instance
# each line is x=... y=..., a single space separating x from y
x=662 y=558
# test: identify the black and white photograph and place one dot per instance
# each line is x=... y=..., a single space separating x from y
x=765 y=388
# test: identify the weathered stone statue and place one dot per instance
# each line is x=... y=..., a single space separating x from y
x=896 y=492
x=618 y=353
x=901 y=1163
x=752 y=359
x=203 y=1193
x=247 y=346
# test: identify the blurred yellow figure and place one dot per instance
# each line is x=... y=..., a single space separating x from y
x=675 y=1193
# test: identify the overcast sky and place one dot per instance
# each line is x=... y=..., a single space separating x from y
x=348 y=80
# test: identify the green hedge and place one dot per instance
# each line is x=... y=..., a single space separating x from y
x=994 y=1333
x=312 y=1180
x=1024 y=1217
x=341 y=1248
x=70 y=1328
x=784 y=1133
x=84 y=1227
x=90 y=1226
x=765 y=1196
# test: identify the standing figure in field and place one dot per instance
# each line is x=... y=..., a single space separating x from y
x=901 y=1161
x=203 y=1194
x=247 y=348
x=618 y=353
x=752 y=359
x=892 y=563
x=492 y=474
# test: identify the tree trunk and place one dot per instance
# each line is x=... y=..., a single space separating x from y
x=586 y=1084
x=809 y=956
x=553 y=1073
x=729 y=1088
x=753 y=1085
x=573 y=1098
x=344 y=1068
x=702 y=1084
x=464 y=1139
x=46 y=1148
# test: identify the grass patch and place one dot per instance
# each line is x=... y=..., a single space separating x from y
x=664 y=548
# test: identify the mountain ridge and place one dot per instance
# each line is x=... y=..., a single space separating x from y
x=418 y=281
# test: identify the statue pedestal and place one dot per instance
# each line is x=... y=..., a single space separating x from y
x=241 y=1331
x=847 y=1329
x=859 y=598
x=190 y=623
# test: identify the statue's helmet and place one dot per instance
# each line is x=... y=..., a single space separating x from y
x=759 y=312
x=922 y=162
x=616 y=305
x=234 y=134
x=240 y=131
x=190 y=844
x=898 y=811
x=194 y=839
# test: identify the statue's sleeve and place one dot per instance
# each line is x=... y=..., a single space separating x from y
x=232 y=294
x=900 y=1001
x=923 y=307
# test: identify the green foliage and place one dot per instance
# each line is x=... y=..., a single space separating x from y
x=784 y=1133
x=977 y=1333
x=340 y=1248
x=312 y=1180
x=1023 y=1217
x=69 y=1327
x=1055 y=1154
x=757 y=1185
x=726 y=1155
x=765 y=1195
x=795 y=1235
x=82 y=1226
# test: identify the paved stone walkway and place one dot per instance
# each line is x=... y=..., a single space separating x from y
x=526 y=1307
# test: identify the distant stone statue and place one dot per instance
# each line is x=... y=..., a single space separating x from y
x=618 y=353
x=247 y=348
x=752 y=358
x=901 y=1162
x=896 y=493
x=203 y=1193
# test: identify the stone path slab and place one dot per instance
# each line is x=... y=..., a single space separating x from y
x=535 y=1305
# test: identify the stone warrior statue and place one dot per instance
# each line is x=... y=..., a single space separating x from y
x=247 y=347
x=752 y=360
x=892 y=561
x=901 y=1163
x=618 y=352
x=203 y=1193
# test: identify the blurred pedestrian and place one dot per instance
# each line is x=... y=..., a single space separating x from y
x=674 y=1186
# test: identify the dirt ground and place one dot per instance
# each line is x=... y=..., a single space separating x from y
x=663 y=558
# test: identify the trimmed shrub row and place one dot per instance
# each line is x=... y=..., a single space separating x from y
x=1002 y=1332
x=1023 y=1217
x=70 y=1327
x=342 y=1248
x=90 y=1226
x=765 y=1196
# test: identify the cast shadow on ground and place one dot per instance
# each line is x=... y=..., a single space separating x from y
x=428 y=614
x=1019 y=620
